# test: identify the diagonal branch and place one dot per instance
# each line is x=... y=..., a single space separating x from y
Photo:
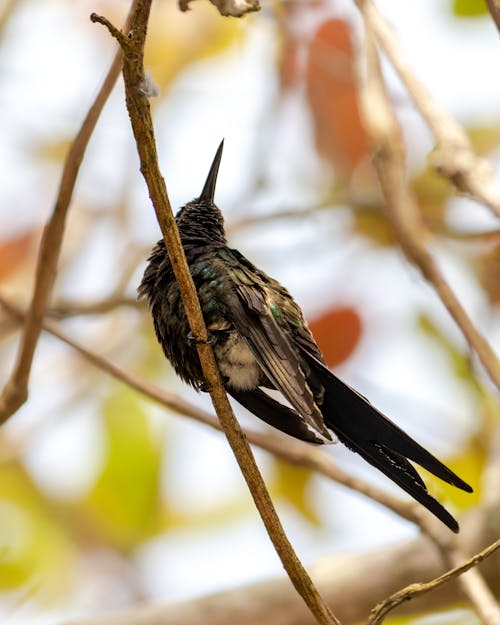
x=142 y=127
x=403 y=210
x=15 y=391
x=494 y=9
x=453 y=156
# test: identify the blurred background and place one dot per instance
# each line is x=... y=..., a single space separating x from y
x=106 y=499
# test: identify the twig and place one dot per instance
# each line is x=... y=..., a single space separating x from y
x=414 y=590
x=494 y=9
x=403 y=210
x=15 y=391
x=228 y=8
x=453 y=156
x=142 y=126
x=69 y=308
x=474 y=587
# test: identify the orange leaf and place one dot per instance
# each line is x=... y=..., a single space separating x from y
x=332 y=93
x=337 y=333
x=14 y=251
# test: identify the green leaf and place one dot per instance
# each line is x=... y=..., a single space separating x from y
x=124 y=505
x=469 y=8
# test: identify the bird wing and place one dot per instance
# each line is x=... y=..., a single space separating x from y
x=248 y=307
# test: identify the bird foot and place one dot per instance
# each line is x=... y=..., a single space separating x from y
x=192 y=340
x=204 y=387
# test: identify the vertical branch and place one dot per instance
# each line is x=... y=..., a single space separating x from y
x=15 y=391
x=142 y=127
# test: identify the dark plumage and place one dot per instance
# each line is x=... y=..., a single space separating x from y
x=260 y=339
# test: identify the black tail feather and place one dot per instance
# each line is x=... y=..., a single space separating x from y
x=365 y=430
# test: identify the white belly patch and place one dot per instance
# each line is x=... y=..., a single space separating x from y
x=237 y=363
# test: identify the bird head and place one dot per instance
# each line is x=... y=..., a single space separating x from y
x=201 y=220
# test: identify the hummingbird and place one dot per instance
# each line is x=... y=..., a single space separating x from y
x=261 y=341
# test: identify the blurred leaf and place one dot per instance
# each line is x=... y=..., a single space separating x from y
x=333 y=100
x=32 y=543
x=459 y=361
x=54 y=149
x=14 y=251
x=125 y=504
x=176 y=39
x=432 y=192
x=469 y=463
x=293 y=483
x=487 y=268
x=374 y=225
x=469 y=8
x=337 y=333
x=293 y=40
x=484 y=138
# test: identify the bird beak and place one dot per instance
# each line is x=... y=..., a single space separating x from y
x=209 y=189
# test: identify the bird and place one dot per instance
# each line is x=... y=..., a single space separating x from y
x=262 y=342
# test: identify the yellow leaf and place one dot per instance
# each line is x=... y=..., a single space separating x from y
x=124 y=504
x=176 y=39
x=293 y=483
x=33 y=546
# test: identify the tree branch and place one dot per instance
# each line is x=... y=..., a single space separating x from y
x=402 y=208
x=353 y=582
x=15 y=391
x=453 y=156
x=142 y=127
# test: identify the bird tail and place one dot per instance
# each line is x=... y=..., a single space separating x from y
x=366 y=431
x=275 y=414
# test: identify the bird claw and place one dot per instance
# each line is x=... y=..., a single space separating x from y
x=204 y=387
x=192 y=340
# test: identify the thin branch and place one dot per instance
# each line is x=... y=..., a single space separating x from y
x=73 y=308
x=474 y=587
x=142 y=127
x=453 y=156
x=415 y=590
x=228 y=8
x=15 y=391
x=494 y=9
x=403 y=210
